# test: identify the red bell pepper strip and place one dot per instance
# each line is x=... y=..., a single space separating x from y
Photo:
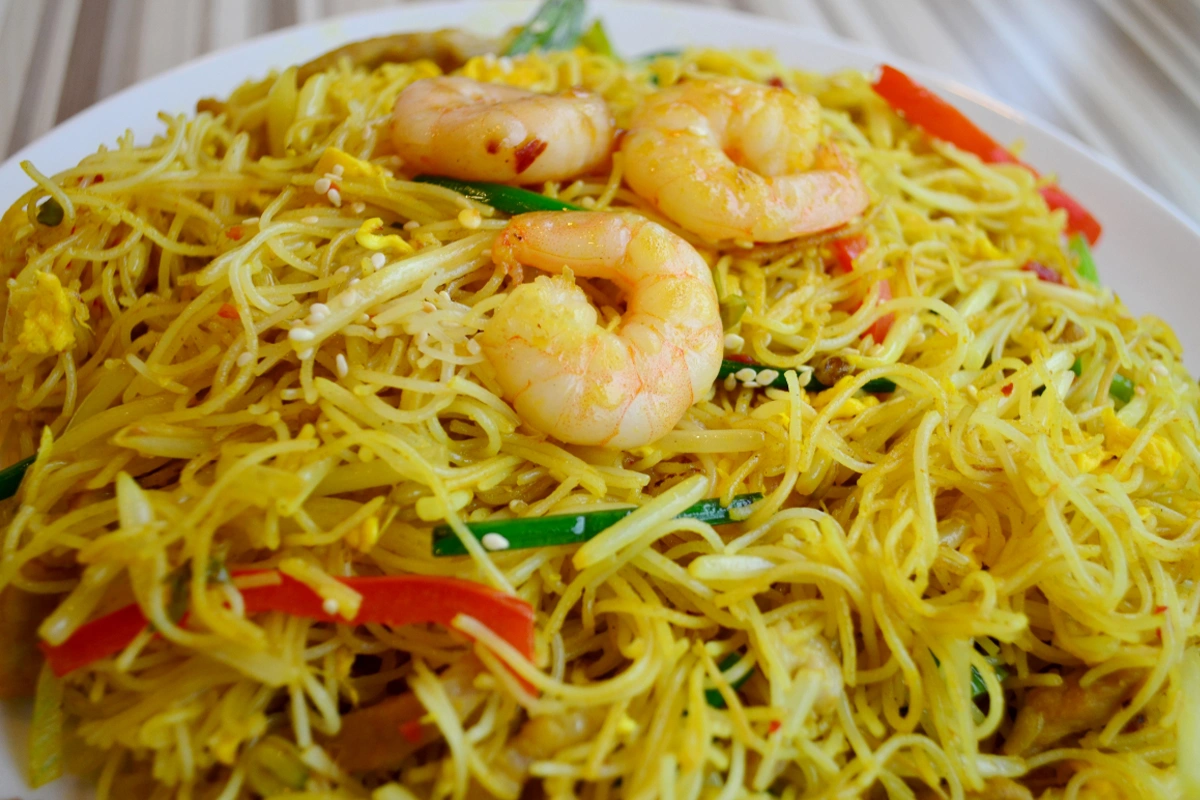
x=880 y=327
x=387 y=600
x=1043 y=272
x=847 y=249
x=943 y=121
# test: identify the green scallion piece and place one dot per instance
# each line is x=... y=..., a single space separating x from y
x=595 y=38
x=10 y=477
x=1121 y=389
x=50 y=213
x=509 y=199
x=564 y=529
x=713 y=696
x=554 y=26
x=978 y=687
x=729 y=367
x=1085 y=265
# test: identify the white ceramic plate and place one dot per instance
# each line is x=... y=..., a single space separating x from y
x=1146 y=253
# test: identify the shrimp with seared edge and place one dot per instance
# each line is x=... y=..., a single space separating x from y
x=565 y=373
x=470 y=130
x=732 y=159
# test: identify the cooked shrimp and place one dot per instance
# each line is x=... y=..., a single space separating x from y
x=731 y=159
x=492 y=132
x=565 y=373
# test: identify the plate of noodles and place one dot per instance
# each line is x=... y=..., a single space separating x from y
x=523 y=403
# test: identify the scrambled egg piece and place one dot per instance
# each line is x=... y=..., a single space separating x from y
x=849 y=409
x=1088 y=460
x=983 y=248
x=351 y=167
x=1158 y=456
x=525 y=74
x=47 y=323
x=367 y=237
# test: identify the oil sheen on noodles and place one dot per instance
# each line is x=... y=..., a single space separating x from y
x=229 y=368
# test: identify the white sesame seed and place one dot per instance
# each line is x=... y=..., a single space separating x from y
x=343 y=369
x=335 y=197
x=290 y=394
x=411 y=225
x=339 y=170
x=322 y=185
x=767 y=376
x=301 y=335
x=1158 y=369
x=384 y=331
x=305 y=355
x=428 y=307
x=378 y=260
x=342 y=270
x=733 y=342
x=494 y=541
x=311 y=220
x=730 y=382
x=318 y=310
x=352 y=281
x=363 y=318
x=358 y=208
x=331 y=606
x=347 y=298
x=469 y=218
x=250 y=221
x=244 y=359
x=422 y=338
x=745 y=375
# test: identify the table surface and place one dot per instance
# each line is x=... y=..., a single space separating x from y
x=1121 y=75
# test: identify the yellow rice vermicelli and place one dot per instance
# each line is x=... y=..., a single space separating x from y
x=996 y=515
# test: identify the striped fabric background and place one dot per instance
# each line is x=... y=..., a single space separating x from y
x=1122 y=75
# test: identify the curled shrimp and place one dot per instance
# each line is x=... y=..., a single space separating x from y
x=571 y=377
x=732 y=159
x=491 y=132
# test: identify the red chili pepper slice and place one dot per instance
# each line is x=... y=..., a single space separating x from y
x=235 y=232
x=943 y=121
x=847 y=249
x=393 y=600
x=228 y=311
x=411 y=731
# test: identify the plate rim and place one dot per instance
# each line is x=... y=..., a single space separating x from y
x=604 y=8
